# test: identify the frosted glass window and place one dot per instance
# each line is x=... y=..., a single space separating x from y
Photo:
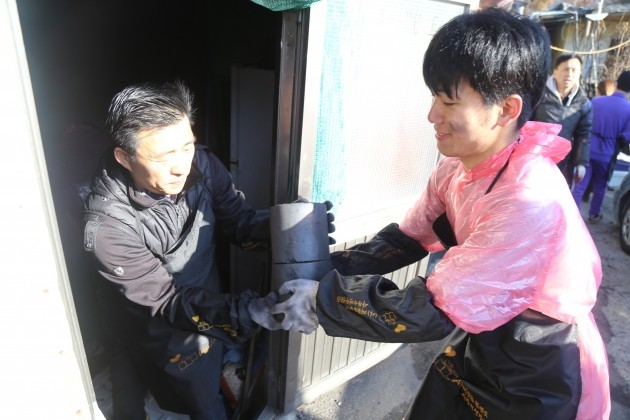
x=371 y=146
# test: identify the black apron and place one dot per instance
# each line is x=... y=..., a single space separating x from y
x=528 y=368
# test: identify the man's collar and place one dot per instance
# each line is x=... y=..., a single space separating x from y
x=551 y=84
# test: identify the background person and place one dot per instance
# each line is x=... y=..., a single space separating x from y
x=604 y=88
x=517 y=284
x=565 y=102
x=611 y=129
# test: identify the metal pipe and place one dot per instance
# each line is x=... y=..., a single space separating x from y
x=299 y=242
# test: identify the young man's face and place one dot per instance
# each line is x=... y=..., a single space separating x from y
x=163 y=158
x=465 y=127
x=567 y=74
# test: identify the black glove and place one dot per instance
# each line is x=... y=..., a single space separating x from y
x=299 y=308
x=329 y=216
x=260 y=311
x=331 y=219
x=389 y=250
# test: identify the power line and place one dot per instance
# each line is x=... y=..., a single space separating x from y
x=592 y=52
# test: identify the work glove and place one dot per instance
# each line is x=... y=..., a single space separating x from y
x=329 y=215
x=299 y=309
x=331 y=219
x=579 y=173
x=260 y=311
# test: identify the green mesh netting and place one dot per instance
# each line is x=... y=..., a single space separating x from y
x=283 y=5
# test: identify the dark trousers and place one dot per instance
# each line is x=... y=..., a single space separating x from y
x=181 y=387
x=597 y=176
x=128 y=389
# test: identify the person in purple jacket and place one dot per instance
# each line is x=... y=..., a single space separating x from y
x=611 y=128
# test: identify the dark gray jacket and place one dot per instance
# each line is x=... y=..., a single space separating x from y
x=157 y=257
x=576 y=120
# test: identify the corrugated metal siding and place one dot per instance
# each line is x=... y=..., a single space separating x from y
x=326 y=361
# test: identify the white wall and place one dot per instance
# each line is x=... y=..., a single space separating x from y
x=44 y=374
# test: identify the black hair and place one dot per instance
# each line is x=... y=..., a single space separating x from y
x=566 y=57
x=147 y=106
x=623 y=81
x=496 y=52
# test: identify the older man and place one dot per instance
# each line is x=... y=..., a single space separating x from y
x=157 y=201
x=564 y=102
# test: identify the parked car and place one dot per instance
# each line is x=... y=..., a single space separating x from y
x=621 y=212
x=622 y=165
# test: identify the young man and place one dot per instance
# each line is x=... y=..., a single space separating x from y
x=516 y=287
x=611 y=130
x=156 y=202
x=564 y=102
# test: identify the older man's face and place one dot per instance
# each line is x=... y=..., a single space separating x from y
x=567 y=74
x=163 y=158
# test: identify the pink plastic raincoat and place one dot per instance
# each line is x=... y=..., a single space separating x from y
x=523 y=245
